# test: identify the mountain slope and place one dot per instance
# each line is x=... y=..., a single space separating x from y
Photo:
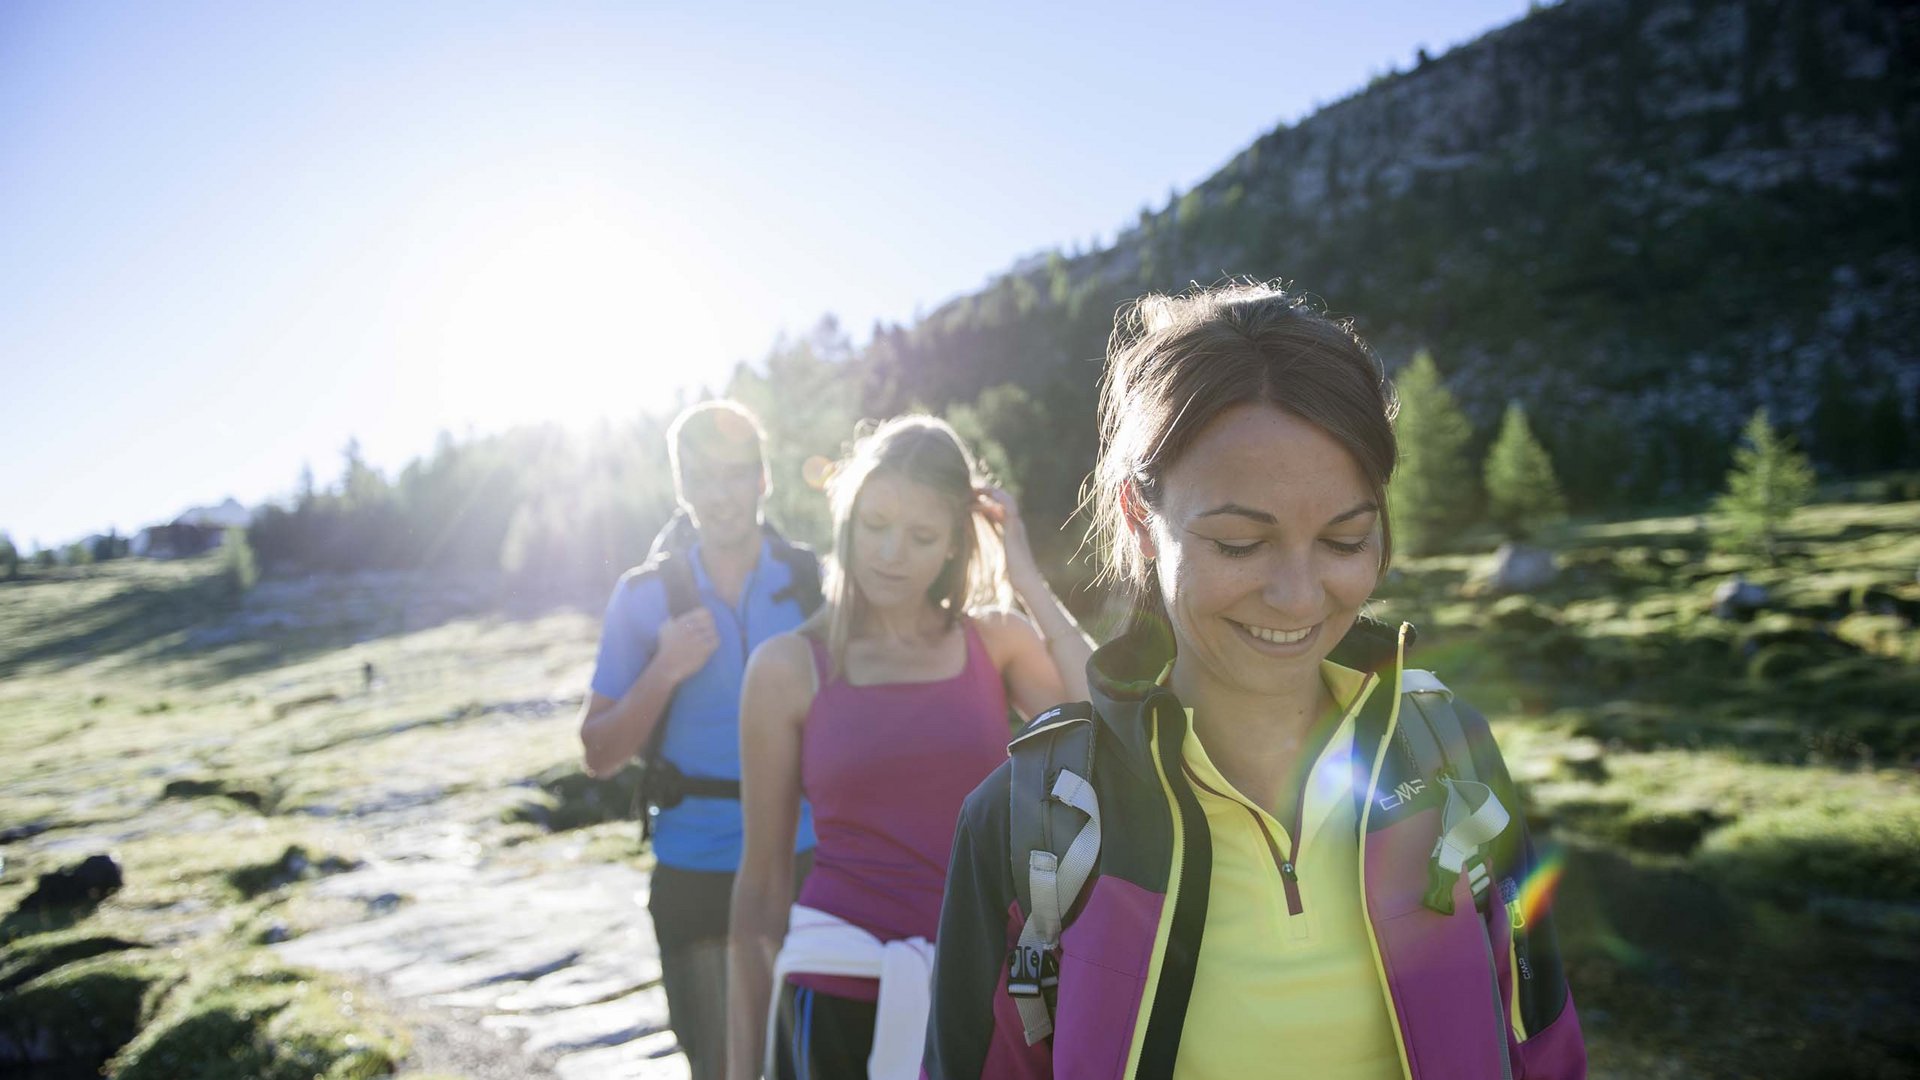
x=1640 y=218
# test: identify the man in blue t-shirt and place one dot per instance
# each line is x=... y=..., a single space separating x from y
x=739 y=584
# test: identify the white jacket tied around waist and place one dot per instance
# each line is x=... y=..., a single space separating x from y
x=822 y=944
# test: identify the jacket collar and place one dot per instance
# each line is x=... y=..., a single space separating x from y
x=1121 y=674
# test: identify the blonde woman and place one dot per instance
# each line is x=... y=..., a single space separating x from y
x=884 y=711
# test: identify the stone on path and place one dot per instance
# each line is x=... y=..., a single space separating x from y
x=560 y=958
x=653 y=1057
x=587 y=1027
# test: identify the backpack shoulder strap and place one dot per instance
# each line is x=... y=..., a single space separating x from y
x=1438 y=742
x=677 y=535
x=1054 y=843
x=676 y=575
x=1472 y=814
x=683 y=595
x=803 y=573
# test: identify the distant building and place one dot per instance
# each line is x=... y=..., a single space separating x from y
x=228 y=515
x=195 y=532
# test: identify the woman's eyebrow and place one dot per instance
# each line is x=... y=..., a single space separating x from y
x=1236 y=509
x=1368 y=507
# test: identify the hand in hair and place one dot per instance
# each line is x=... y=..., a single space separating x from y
x=999 y=508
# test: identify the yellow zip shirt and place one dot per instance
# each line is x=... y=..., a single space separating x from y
x=1285 y=984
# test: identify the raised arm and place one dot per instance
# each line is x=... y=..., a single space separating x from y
x=1063 y=646
x=774 y=700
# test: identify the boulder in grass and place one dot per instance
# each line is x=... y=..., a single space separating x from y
x=1738 y=600
x=1520 y=568
x=88 y=881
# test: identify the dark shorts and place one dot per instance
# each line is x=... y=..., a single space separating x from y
x=691 y=910
x=818 y=1036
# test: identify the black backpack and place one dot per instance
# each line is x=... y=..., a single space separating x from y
x=662 y=785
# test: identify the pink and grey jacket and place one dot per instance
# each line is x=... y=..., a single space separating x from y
x=1479 y=994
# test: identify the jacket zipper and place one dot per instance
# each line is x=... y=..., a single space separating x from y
x=1499 y=1014
x=739 y=614
x=1289 y=875
x=1285 y=864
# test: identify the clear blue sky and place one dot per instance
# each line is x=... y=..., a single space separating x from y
x=232 y=236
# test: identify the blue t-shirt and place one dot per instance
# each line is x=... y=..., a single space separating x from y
x=703 y=721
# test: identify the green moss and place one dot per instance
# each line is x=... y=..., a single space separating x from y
x=1782 y=663
x=570 y=799
x=293 y=864
x=1825 y=845
x=31 y=957
x=250 y=1019
x=254 y=796
x=85 y=1011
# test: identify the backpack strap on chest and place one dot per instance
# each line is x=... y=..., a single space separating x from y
x=1472 y=815
x=1054 y=829
x=660 y=783
x=803 y=573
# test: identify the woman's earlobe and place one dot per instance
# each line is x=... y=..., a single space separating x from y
x=1134 y=510
x=1142 y=538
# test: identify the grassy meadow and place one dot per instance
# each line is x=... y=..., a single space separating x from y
x=1735 y=804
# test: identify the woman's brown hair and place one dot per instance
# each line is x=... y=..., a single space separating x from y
x=1174 y=363
x=925 y=450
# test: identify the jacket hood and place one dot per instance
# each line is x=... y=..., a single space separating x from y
x=1121 y=674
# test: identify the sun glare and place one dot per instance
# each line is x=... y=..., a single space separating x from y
x=567 y=310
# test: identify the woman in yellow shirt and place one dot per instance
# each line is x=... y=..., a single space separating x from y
x=1310 y=861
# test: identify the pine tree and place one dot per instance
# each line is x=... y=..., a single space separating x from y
x=1769 y=481
x=1432 y=496
x=1523 y=494
x=9 y=558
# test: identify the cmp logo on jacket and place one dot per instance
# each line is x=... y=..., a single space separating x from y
x=1402 y=789
x=1403 y=793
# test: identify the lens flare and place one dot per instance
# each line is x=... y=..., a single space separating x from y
x=1536 y=892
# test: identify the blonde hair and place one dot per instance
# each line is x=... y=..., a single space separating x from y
x=927 y=451
x=1174 y=363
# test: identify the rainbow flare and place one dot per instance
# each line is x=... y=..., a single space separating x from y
x=1536 y=892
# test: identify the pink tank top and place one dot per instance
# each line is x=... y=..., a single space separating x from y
x=886 y=768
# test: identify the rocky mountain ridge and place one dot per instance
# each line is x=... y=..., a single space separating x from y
x=1641 y=218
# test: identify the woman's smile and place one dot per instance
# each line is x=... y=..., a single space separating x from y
x=1279 y=639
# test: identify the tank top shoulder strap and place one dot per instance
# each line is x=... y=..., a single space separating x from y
x=977 y=654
